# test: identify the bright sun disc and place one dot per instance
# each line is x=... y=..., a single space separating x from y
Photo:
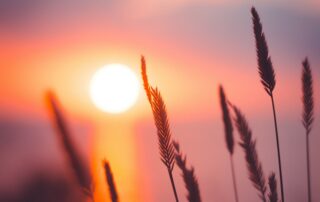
x=114 y=88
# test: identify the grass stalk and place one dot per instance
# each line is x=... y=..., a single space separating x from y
x=308 y=168
x=173 y=185
x=234 y=179
x=278 y=146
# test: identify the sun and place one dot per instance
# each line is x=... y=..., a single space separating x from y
x=114 y=88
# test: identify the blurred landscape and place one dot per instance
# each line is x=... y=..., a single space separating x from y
x=191 y=47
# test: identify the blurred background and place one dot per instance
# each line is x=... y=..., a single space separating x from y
x=191 y=46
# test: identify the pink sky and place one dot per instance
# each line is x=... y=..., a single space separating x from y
x=191 y=47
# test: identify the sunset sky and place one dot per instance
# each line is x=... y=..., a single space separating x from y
x=191 y=46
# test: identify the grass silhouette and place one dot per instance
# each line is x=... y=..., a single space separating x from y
x=272 y=182
x=80 y=169
x=170 y=153
x=228 y=130
x=189 y=178
x=307 y=116
x=267 y=76
x=110 y=182
x=162 y=123
x=249 y=147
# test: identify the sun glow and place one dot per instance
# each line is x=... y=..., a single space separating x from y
x=114 y=88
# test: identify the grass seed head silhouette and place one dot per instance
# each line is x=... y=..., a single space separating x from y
x=110 y=182
x=189 y=178
x=228 y=129
x=265 y=67
x=80 y=170
x=308 y=111
x=249 y=147
x=161 y=121
x=273 y=194
x=267 y=77
x=307 y=89
x=163 y=129
x=145 y=79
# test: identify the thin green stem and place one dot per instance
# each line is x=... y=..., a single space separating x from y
x=234 y=180
x=173 y=185
x=278 y=146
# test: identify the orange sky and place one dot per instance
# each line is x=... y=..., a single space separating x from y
x=191 y=47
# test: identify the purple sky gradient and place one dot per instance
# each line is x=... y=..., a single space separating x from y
x=206 y=34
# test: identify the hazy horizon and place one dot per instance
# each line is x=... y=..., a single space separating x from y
x=191 y=47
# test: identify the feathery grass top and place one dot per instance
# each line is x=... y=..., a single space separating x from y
x=228 y=129
x=307 y=98
x=161 y=121
x=163 y=129
x=145 y=78
x=189 y=178
x=273 y=194
x=266 y=70
x=249 y=146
